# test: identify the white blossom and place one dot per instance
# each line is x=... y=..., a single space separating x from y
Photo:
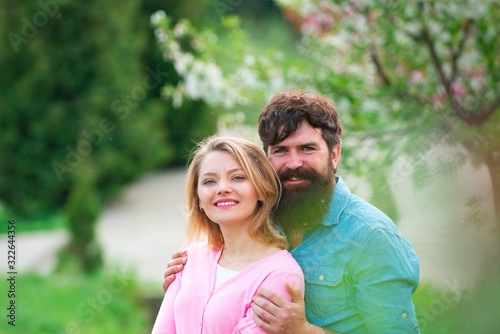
x=180 y=29
x=277 y=81
x=161 y=36
x=157 y=17
x=247 y=77
x=177 y=100
x=249 y=60
x=413 y=27
x=212 y=38
x=239 y=116
x=371 y=105
x=182 y=62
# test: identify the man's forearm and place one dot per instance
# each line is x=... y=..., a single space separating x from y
x=318 y=330
x=328 y=332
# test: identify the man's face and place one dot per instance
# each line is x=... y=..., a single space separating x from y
x=306 y=170
x=304 y=150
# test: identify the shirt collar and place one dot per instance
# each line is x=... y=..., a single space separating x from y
x=341 y=195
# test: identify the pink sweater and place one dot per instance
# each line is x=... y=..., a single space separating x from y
x=192 y=306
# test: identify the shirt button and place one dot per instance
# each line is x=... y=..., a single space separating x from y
x=403 y=315
x=321 y=277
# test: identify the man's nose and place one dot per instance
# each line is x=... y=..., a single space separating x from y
x=294 y=161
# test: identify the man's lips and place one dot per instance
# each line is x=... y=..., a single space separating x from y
x=297 y=177
x=295 y=180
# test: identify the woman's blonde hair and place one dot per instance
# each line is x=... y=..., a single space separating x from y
x=258 y=170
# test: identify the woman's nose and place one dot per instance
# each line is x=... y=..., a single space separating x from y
x=223 y=187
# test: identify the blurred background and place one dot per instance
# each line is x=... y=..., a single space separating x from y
x=101 y=103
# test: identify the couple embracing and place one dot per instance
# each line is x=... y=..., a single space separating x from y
x=289 y=249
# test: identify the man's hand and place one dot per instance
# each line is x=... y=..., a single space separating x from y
x=276 y=315
x=179 y=259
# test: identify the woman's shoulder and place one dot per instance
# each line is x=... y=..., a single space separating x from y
x=283 y=261
x=200 y=249
x=198 y=246
x=283 y=269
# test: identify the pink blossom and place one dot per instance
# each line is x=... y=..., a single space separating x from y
x=400 y=70
x=457 y=89
x=439 y=98
x=313 y=24
x=360 y=19
x=328 y=19
x=416 y=77
x=476 y=73
x=318 y=23
x=350 y=10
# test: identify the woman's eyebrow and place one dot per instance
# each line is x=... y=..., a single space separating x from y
x=229 y=171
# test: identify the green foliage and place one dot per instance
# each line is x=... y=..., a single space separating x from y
x=477 y=312
x=81 y=96
x=43 y=221
x=75 y=104
x=193 y=121
x=424 y=298
x=70 y=303
x=82 y=218
x=443 y=311
x=382 y=195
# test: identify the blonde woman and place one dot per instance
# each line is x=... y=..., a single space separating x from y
x=231 y=189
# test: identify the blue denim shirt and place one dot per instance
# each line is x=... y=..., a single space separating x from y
x=360 y=271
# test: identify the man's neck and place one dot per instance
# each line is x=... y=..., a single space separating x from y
x=295 y=239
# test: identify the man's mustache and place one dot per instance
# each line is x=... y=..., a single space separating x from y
x=300 y=173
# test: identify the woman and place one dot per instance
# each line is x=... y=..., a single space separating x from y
x=231 y=189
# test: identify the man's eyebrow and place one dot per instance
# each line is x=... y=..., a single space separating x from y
x=309 y=144
x=280 y=146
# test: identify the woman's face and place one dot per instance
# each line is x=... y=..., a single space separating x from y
x=226 y=194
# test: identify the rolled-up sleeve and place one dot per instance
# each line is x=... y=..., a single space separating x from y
x=386 y=272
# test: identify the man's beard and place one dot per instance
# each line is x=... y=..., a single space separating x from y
x=302 y=208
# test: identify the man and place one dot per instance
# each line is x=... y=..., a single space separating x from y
x=360 y=272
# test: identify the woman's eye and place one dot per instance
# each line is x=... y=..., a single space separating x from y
x=208 y=181
x=238 y=177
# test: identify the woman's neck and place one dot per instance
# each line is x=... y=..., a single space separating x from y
x=241 y=250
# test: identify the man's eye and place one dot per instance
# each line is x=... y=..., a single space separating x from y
x=308 y=149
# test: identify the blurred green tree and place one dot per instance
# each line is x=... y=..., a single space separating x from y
x=80 y=109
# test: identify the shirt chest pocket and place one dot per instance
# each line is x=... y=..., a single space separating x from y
x=325 y=292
